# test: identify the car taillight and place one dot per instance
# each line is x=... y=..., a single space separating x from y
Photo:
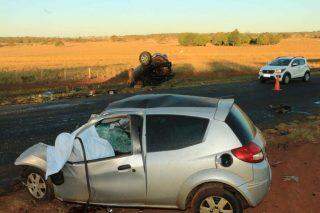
x=250 y=153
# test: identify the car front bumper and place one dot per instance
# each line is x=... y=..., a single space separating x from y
x=269 y=76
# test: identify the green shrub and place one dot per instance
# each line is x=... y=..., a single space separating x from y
x=268 y=38
x=194 y=39
x=245 y=38
x=58 y=43
x=234 y=38
x=220 y=39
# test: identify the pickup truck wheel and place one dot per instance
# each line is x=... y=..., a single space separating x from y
x=306 y=77
x=39 y=188
x=215 y=199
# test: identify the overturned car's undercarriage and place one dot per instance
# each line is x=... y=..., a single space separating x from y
x=153 y=69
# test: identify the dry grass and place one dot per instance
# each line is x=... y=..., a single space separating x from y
x=28 y=70
x=102 y=53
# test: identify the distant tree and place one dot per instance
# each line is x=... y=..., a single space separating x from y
x=194 y=39
x=220 y=39
x=263 y=39
x=234 y=38
x=245 y=38
x=274 y=39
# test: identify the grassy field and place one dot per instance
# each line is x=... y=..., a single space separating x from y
x=29 y=69
x=103 y=53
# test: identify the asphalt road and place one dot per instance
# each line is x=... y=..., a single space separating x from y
x=24 y=125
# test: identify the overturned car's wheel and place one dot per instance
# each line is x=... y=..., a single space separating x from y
x=145 y=58
x=39 y=188
x=215 y=199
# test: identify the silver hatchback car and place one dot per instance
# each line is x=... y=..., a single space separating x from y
x=170 y=151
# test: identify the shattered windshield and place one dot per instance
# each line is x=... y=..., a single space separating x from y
x=280 y=62
x=117 y=132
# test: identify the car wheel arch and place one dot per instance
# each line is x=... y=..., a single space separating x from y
x=288 y=73
x=227 y=180
x=217 y=184
x=26 y=170
x=32 y=161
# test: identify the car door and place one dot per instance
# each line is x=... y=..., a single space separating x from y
x=303 y=67
x=295 y=68
x=121 y=179
x=114 y=180
x=173 y=154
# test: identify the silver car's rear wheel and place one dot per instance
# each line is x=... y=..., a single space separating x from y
x=36 y=185
x=215 y=204
x=215 y=198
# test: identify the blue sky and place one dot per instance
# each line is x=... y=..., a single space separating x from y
x=109 y=17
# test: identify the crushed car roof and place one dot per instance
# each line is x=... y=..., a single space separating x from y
x=163 y=100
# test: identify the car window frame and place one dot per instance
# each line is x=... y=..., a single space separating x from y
x=296 y=59
x=303 y=62
x=182 y=115
x=136 y=145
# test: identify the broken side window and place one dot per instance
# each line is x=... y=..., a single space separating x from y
x=117 y=132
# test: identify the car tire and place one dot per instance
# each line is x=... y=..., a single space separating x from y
x=145 y=58
x=306 y=77
x=214 y=198
x=286 y=79
x=37 y=186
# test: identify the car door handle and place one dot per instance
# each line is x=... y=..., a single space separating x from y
x=124 y=167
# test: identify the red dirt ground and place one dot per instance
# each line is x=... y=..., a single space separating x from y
x=301 y=160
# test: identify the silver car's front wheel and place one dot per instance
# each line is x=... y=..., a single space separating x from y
x=215 y=204
x=36 y=185
x=39 y=188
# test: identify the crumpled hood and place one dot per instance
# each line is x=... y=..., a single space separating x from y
x=34 y=156
x=268 y=67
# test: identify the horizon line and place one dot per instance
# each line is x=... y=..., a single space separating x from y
x=148 y=34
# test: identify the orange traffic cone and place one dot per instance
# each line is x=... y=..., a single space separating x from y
x=277 y=85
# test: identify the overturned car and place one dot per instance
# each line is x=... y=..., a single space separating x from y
x=166 y=151
x=153 y=69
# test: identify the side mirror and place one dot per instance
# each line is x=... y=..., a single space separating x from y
x=93 y=116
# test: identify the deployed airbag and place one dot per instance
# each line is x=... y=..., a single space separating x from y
x=67 y=148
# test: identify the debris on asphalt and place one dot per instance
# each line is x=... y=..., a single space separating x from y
x=281 y=109
x=284 y=132
x=302 y=112
x=48 y=95
x=92 y=92
x=289 y=178
x=112 y=92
